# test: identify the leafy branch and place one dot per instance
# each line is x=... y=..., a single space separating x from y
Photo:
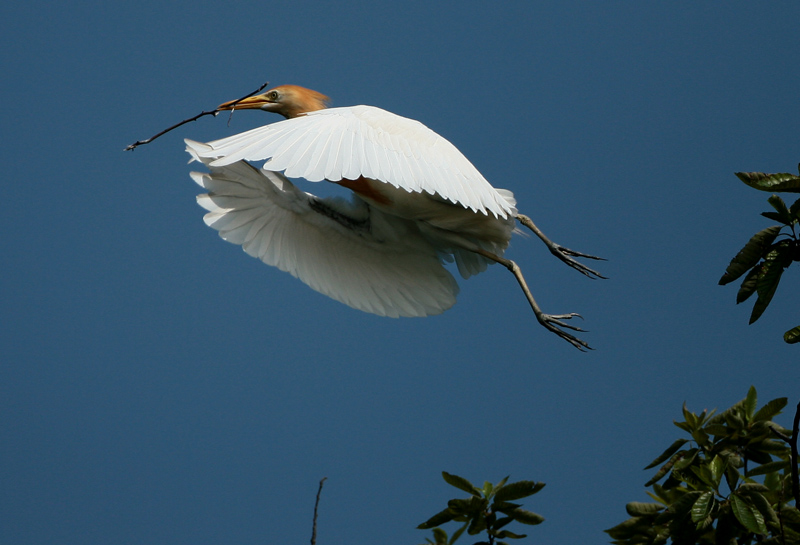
x=730 y=482
x=489 y=509
x=770 y=251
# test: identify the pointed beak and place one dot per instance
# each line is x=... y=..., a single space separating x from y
x=258 y=102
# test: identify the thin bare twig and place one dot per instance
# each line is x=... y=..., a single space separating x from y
x=213 y=112
x=316 y=505
x=793 y=445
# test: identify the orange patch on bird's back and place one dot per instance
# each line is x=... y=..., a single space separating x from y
x=366 y=188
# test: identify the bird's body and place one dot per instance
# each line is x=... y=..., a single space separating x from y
x=417 y=202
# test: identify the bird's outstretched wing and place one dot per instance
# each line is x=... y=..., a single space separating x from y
x=356 y=141
x=347 y=251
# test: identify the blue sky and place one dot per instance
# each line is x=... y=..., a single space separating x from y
x=160 y=386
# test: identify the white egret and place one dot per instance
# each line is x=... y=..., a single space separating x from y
x=417 y=203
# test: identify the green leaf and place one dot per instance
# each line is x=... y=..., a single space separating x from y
x=526 y=517
x=684 y=504
x=748 y=286
x=628 y=529
x=517 y=490
x=505 y=533
x=502 y=483
x=755 y=454
x=700 y=437
x=748 y=516
x=718 y=430
x=459 y=506
x=702 y=506
x=504 y=507
x=770 y=275
x=665 y=468
x=717 y=468
x=781 y=252
x=684 y=426
x=438 y=519
x=778 y=448
x=731 y=474
x=774 y=216
x=457 y=534
x=772 y=481
x=763 y=506
x=766 y=290
x=790 y=514
x=687 y=460
x=750 y=402
x=667 y=453
x=478 y=504
x=752 y=252
x=792 y=336
x=440 y=536
x=747 y=488
x=781 y=181
x=780 y=207
x=733 y=419
x=641 y=509
x=690 y=417
x=770 y=410
x=660 y=494
x=794 y=210
x=703 y=472
x=477 y=524
x=461 y=483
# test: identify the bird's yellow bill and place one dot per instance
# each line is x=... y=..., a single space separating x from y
x=249 y=103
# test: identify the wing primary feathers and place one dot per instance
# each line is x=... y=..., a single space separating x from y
x=363 y=141
x=350 y=252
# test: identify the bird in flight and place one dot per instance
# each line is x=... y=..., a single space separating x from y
x=417 y=202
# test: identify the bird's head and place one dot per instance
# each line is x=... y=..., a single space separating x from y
x=287 y=100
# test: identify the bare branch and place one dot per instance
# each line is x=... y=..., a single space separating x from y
x=781 y=436
x=213 y=112
x=316 y=505
x=793 y=445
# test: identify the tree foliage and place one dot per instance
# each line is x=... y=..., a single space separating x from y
x=729 y=482
x=770 y=251
x=489 y=509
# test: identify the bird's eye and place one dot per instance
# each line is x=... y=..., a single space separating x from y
x=273 y=95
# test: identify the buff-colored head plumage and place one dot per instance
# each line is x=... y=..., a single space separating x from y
x=287 y=100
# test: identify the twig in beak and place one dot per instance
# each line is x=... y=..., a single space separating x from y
x=213 y=112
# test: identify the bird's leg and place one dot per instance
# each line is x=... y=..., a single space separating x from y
x=551 y=322
x=561 y=252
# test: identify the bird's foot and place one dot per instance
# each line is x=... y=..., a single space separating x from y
x=553 y=322
x=566 y=255
x=562 y=253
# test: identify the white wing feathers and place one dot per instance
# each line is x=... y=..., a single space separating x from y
x=352 y=253
x=356 y=141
